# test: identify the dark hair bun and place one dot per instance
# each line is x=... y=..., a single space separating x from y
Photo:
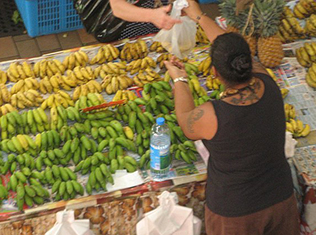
x=240 y=63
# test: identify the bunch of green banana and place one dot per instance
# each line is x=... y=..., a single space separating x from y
x=105 y=53
x=47 y=140
x=186 y=151
x=19 y=144
x=191 y=69
x=48 y=68
x=176 y=133
x=144 y=161
x=58 y=117
x=199 y=93
x=52 y=157
x=23 y=161
x=98 y=179
x=18 y=71
x=66 y=190
x=134 y=51
x=3 y=192
x=162 y=58
x=310 y=26
x=205 y=66
x=116 y=68
x=297 y=128
x=79 y=58
x=311 y=76
x=143 y=141
x=89 y=163
x=3 y=77
x=289 y=111
x=157 y=47
x=92 y=99
x=306 y=55
x=140 y=64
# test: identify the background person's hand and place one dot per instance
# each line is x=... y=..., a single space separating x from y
x=193 y=10
x=162 y=20
x=175 y=68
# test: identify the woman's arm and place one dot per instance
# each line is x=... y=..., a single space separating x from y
x=131 y=13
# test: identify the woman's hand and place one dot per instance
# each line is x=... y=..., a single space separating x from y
x=162 y=20
x=193 y=10
x=175 y=68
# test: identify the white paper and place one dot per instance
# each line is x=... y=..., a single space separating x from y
x=123 y=180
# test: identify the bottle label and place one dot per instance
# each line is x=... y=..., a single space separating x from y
x=159 y=159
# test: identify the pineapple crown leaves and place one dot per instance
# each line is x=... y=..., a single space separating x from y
x=228 y=11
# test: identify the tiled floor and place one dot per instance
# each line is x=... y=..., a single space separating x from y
x=24 y=46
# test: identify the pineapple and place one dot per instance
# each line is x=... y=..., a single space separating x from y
x=267 y=16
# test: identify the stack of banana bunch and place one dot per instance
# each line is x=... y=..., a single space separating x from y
x=19 y=144
x=106 y=53
x=6 y=108
x=83 y=90
x=297 y=128
x=81 y=74
x=116 y=68
x=3 y=77
x=200 y=36
x=48 y=68
x=124 y=95
x=18 y=72
x=79 y=58
x=5 y=95
x=55 y=100
x=29 y=98
x=304 y=8
x=157 y=47
x=27 y=193
x=146 y=76
x=92 y=99
x=307 y=54
x=134 y=51
x=311 y=76
x=25 y=85
x=141 y=64
x=112 y=83
x=205 y=66
x=310 y=26
x=162 y=58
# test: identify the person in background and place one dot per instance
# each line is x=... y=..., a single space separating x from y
x=143 y=20
x=249 y=185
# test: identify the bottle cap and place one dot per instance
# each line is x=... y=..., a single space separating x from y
x=160 y=121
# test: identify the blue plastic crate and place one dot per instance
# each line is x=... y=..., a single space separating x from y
x=43 y=17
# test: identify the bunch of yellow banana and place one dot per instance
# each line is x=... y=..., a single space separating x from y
x=79 y=58
x=6 y=108
x=289 y=111
x=24 y=85
x=112 y=83
x=146 y=76
x=18 y=72
x=212 y=83
x=55 y=100
x=4 y=94
x=311 y=76
x=304 y=8
x=284 y=92
x=162 y=58
x=196 y=87
x=48 y=68
x=29 y=98
x=3 y=77
x=134 y=51
x=83 y=90
x=124 y=95
x=205 y=66
x=55 y=83
x=306 y=54
x=200 y=36
x=140 y=64
x=82 y=74
x=116 y=68
x=297 y=128
x=310 y=26
x=105 y=53
x=157 y=47
x=290 y=29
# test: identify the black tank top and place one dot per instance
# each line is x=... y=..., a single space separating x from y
x=247 y=168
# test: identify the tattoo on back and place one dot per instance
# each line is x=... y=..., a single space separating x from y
x=193 y=117
x=247 y=95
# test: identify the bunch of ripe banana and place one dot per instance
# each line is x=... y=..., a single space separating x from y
x=162 y=58
x=24 y=85
x=284 y=91
x=106 y=53
x=3 y=78
x=205 y=66
x=81 y=74
x=157 y=47
x=289 y=111
x=112 y=83
x=200 y=36
x=297 y=128
x=60 y=99
x=17 y=71
x=310 y=26
x=6 y=108
x=311 y=76
x=5 y=95
x=307 y=54
x=117 y=68
x=29 y=98
x=18 y=144
x=304 y=8
x=92 y=99
x=48 y=68
x=134 y=51
x=186 y=151
x=140 y=64
x=213 y=83
x=85 y=89
x=30 y=194
x=55 y=83
x=124 y=95
x=79 y=58
x=146 y=76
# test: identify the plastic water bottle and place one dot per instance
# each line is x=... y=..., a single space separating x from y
x=160 y=160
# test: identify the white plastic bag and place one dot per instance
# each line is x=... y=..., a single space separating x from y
x=180 y=39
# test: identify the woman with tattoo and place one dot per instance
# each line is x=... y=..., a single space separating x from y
x=249 y=185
